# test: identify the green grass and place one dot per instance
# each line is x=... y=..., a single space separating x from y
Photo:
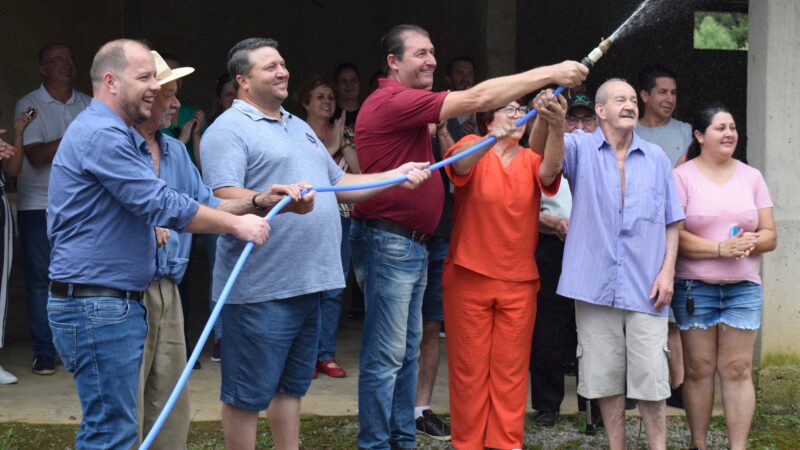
x=780 y=360
x=319 y=432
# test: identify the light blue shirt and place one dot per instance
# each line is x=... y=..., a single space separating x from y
x=674 y=138
x=103 y=202
x=612 y=254
x=244 y=148
x=177 y=170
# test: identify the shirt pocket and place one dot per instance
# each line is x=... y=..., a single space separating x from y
x=651 y=204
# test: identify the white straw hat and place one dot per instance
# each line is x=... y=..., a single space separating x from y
x=164 y=74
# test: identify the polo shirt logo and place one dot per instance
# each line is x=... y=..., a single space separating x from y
x=311 y=139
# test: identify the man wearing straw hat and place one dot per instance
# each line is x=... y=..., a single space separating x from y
x=164 y=346
x=103 y=202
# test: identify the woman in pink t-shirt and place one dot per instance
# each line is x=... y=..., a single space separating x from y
x=718 y=296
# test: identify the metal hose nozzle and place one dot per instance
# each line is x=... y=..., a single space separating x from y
x=597 y=53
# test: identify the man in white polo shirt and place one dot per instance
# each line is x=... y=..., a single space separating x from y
x=56 y=104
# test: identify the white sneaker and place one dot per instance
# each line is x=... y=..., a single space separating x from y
x=6 y=377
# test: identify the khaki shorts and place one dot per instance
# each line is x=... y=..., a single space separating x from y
x=621 y=352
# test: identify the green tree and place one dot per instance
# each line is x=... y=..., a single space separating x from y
x=711 y=35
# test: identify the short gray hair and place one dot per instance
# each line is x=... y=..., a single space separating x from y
x=111 y=58
x=601 y=96
x=239 y=55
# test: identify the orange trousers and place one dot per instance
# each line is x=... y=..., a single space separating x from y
x=489 y=330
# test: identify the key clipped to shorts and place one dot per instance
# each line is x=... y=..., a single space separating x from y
x=689 y=299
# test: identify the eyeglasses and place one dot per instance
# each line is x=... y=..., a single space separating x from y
x=59 y=60
x=511 y=111
x=586 y=120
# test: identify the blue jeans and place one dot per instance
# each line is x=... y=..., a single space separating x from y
x=100 y=340
x=392 y=272
x=36 y=263
x=331 y=303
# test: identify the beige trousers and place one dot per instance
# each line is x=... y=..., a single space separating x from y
x=163 y=361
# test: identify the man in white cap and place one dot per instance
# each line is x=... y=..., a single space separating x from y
x=164 y=346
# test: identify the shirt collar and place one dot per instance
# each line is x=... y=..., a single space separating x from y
x=255 y=114
x=390 y=82
x=106 y=111
x=141 y=143
x=45 y=96
x=637 y=143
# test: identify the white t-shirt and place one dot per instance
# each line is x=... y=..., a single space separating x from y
x=674 y=137
x=52 y=120
x=559 y=205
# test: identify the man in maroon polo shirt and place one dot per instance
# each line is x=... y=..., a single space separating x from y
x=388 y=232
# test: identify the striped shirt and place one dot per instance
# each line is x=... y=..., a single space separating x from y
x=613 y=253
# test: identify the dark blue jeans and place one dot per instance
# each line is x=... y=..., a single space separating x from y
x=392 y=272
x=331 y=303
x=36 y=262
x=101 y=340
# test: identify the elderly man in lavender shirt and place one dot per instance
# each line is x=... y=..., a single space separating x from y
x=619 y=260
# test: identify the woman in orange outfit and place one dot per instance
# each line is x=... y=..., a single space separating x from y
x=490 y=278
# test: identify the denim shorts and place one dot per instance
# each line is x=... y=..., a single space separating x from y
x=737 y=305
x=269 y=347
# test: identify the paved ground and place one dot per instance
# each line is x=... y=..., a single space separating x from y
x=52 y=399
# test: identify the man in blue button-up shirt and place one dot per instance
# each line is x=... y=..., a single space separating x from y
x=619 y=260
x=104 y=200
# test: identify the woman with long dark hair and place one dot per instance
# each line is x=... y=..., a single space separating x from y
x=718 y=295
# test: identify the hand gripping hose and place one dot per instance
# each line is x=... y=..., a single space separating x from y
x=201 y=341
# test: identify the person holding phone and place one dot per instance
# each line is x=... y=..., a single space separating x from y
x=57 y=104
x=11 y=160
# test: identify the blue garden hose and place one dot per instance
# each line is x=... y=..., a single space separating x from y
x=201 y=341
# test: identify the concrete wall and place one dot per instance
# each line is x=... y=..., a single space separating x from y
x=773 y=119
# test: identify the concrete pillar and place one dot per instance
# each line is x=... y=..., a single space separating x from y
x=500 y=28
x=773 y=124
